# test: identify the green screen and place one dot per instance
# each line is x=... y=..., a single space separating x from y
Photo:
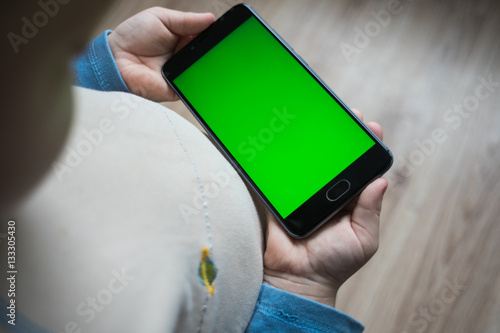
x=288 y=134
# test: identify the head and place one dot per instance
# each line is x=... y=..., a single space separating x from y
x=42 y=36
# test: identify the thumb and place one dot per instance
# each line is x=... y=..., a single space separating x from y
x=181 y=23
x=366 y=214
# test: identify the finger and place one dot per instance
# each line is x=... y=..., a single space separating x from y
x=351 y=205
x=376 y=128
x=184 y=40
x=358 y=113
x=181 y=23
x=366 y=214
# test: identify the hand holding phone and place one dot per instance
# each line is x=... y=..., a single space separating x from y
x=315 y=267
x=142 y=43
x=291 y=138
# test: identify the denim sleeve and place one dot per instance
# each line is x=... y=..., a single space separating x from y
x=280 y=311
x=276 y=311
x=95 y=68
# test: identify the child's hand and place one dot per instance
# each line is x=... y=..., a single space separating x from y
x=316 y=267
x=144 y=42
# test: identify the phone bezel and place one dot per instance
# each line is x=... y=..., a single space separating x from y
x=318 y=209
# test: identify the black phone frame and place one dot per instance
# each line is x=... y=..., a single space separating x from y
x=317 y=209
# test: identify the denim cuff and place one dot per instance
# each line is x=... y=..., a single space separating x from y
x=95 y=68
x=280 y=311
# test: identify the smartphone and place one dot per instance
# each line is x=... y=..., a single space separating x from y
x=290 y=137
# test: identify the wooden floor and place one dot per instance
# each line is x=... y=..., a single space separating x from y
x=422 y=71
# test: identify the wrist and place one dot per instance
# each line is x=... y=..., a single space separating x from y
x=303 y=287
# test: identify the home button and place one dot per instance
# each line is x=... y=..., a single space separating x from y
x=338 y=190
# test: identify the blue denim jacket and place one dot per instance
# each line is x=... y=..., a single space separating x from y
x=276 y=310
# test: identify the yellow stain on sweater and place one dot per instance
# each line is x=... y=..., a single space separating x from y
x=207 y=271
